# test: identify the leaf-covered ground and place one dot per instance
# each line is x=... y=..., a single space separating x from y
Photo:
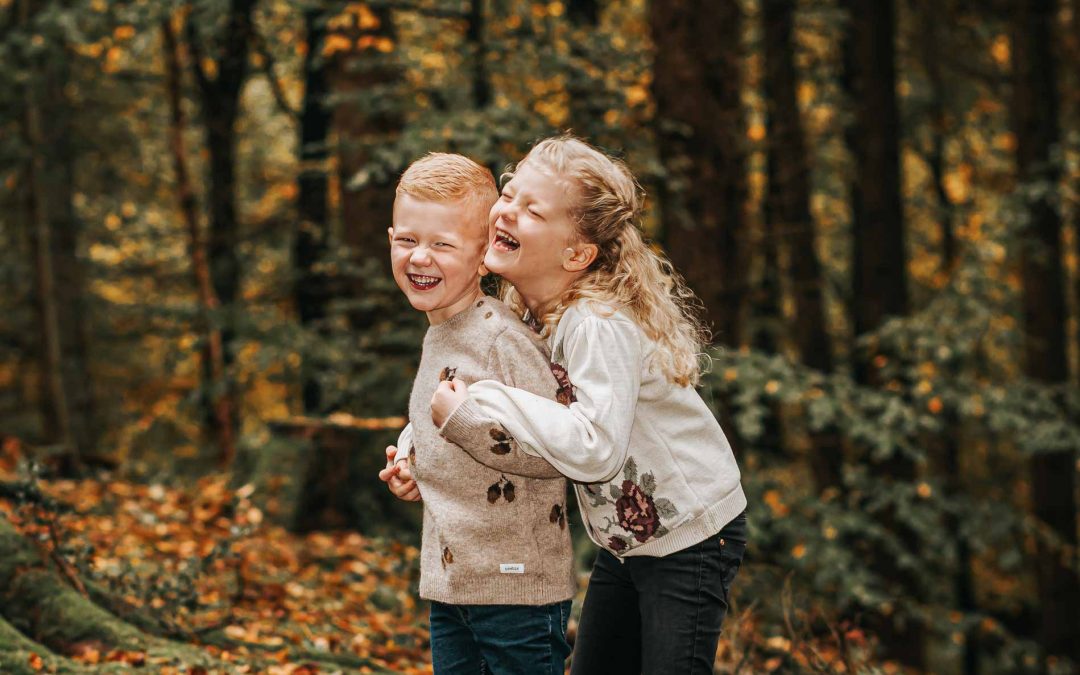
x=206 y=569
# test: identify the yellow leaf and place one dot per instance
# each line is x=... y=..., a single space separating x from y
x=367 y=19
x=999 y=50
x=124 y=32
x=756 y=132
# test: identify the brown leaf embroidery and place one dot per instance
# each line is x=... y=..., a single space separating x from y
x=447 y=374
x=558 y=516
x=447 y=556
x=502 y=441
x=494 y=492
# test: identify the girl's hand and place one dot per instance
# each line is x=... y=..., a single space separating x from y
x=448 y=396
x=398 y=477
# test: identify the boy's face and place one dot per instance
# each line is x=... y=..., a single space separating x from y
x=436 y=251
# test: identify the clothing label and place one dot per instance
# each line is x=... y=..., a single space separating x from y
x=512 y=568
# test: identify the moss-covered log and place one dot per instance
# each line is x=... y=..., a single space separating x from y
x=40 y=606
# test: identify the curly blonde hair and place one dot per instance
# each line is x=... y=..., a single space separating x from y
x=627 y=273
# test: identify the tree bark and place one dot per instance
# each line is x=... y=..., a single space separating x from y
x=69 y=407
x=788 y=206
x=367 y=115
x=1035 y=123
x=932 y=21
x=311 y=291
x=697 y=84
x=220 y=99
x=213 y=351
x=879 y=265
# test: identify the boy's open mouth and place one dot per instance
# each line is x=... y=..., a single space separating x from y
x=504 y=242
x=423 y=283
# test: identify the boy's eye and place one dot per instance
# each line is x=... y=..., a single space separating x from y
x=535 y=213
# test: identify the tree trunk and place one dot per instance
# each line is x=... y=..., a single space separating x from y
x=587 y=105
x=474 y=34
x=311 y=291
x=788 y=205
x=697 y=84
x=69 y=408
x=220 y=99
x=213 y=350
x=367 y=116
x=932 y=21
x=1035 y=123
x=879 y=265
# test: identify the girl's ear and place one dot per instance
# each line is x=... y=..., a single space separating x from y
x=578 y=258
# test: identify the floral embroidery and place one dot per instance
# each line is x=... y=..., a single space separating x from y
x=502 y=441
x=565 y=393
x=501 y=488
x=447 y=556
x=638 y=512
x=447 y=374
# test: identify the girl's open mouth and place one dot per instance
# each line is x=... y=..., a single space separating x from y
x=505 y=242
x=423 y=283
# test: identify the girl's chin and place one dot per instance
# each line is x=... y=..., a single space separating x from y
x=499 y=263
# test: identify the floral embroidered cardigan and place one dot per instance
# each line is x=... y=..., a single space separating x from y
x=653 y=470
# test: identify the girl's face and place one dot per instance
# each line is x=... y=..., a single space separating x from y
x=531 y=229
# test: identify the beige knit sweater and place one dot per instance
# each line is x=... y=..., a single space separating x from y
x=494 y=534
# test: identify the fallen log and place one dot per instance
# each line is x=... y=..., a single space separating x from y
x=43 y=612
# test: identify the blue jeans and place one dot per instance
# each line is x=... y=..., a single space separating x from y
x=498 y=639
x=659 y=615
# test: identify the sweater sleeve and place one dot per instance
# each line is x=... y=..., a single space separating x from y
x=517 y=361
x=403 y=442
x=587 y=440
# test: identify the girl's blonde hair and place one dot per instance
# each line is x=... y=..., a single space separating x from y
x=627 y=274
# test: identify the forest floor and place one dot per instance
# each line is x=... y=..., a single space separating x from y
x=193 y=580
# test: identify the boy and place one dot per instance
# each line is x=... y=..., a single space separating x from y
x=495 y=559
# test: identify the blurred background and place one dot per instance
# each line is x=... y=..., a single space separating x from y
x=203 y=354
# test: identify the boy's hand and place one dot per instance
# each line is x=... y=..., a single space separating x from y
x=448 y=396
x=398 y=478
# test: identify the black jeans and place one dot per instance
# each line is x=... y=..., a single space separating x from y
x=659 y=615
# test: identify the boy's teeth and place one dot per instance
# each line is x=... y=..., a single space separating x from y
x=422 y=280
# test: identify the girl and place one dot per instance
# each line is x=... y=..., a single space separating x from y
x=658 y=484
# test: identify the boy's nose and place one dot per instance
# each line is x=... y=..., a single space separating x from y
x=421 y=256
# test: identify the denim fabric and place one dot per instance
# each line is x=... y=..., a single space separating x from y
x=659 y=615
x=499 y=639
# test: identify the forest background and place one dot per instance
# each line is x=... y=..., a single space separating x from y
x=203 y=354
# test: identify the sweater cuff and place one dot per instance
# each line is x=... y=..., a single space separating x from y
x=464 y=423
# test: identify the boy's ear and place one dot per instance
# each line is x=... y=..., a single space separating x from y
x=483 y=271
x=578 y=258
x=390 y=234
